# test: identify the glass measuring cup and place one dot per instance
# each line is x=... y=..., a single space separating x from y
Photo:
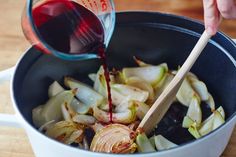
x=84 y=25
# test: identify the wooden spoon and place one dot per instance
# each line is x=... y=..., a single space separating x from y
x=162 y=104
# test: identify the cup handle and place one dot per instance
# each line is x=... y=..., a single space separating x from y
x=8 y=119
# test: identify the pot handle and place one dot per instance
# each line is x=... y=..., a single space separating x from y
x=8 y=119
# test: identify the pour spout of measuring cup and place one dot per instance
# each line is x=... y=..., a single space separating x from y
x=69 y=29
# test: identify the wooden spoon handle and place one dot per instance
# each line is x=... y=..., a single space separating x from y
x=162 y=104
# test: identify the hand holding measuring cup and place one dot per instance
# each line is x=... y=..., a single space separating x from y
x=69 y=29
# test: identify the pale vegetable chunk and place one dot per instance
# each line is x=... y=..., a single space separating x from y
x=211 y=123
x=54 y=89
x=67 y=111
x=78 y=134
x=97 y=126
x=132 y=92
x=140 y=62
x=85 y=93
x=185 y=93
x=46 y=126
x=211 y=102
x=120 y=92
x=38 y=120
x=125 y=105
x=192 y=77
x=76 y=105
x=206 y=127
x=152 y=141
x=141 y=84
x=117 y=97
x=162 y=143
x=218 y=120
x=84 y=119
x=66 y=132
x=92 y=76
x=151 y=74
x=194 y=131
x=142 y=109
x=52 y=109
x=201 y=90
x=143 y=143
x=100 y=82
x=221 y=111
x=115 y=138
x=80 y=107
x=160 y=89
x=194 y=111
x=187 y=122
x=124 y=117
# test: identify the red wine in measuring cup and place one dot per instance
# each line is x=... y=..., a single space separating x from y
x=70 y=28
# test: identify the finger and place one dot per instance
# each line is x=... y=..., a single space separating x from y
x=227 y=8
x=211 y=16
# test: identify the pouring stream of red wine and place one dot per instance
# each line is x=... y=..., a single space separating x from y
x=102 y=54
x=70 y=28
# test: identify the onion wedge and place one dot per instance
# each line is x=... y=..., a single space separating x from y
x=140 y=62
x=151 y=74
x=52 y=109
x=187 y=122
x=141 y=108
x=162 y=143
x=194 y=131
x=206 y=127
x=84 y=93
x=132 y=92
x=92 y=77
x=100 y=82
x=160 y=89
x=218 y=120
x=114 y=138
x=185 y=93
x=213 y=122
x=54 y=89
x=38 y=120
x=143 y=143
x=125 y=117
x=79 y=107
x=141 y=84
x=201 y=90
x=211 y=102
x=66 y=132
x=84 y=119
x=194 y=111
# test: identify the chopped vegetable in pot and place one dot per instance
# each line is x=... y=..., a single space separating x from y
x=79 y=115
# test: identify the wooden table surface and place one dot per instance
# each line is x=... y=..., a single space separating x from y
x=13 y=142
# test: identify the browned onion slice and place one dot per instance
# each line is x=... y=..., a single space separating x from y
x=114 y=138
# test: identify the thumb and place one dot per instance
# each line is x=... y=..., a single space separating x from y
x=211 y=16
